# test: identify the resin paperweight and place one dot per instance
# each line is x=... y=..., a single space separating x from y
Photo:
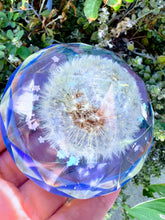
x=77 y=120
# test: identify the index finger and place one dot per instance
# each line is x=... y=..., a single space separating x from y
x=88 y=209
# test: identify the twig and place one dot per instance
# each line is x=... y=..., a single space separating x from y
x=160 y=34
x=140 y=44
x=132 y=6
x=20 y=10
x=59 y=17
x=147 y=14
x=42 y=5
x=35 y=12
x=59 y=42
x=132 y=38
x=10 y=63
x=143 y=55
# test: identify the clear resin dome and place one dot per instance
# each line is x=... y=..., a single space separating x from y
x=77 y=120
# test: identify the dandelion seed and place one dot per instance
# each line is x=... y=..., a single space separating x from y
x=36 y=88
x=55 y=59
x=33 y=126
x=61 y=154
x=72 y=161
x=41 y=139
x=35 y=97
x=32 y=123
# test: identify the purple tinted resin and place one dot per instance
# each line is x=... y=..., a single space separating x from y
x=77 y=120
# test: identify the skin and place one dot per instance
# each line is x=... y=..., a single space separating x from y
x=21 y=199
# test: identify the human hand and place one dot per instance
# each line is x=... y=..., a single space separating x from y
x=21 y=199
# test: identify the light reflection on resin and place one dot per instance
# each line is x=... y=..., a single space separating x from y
x=77 y=120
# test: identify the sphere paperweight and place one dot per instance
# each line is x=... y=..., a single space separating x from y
x=77 y=120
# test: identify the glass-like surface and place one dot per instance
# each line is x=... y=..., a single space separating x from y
x=77 y=120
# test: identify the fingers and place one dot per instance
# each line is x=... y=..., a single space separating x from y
x=39 y=203
x=9 y=171
x=89 y=209
x=11 y=203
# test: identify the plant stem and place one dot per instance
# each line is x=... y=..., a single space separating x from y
x=35 y=12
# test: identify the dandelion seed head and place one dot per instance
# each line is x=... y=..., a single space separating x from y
x=88 y=99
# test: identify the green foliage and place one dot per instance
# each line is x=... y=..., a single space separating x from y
x=12 y=41
x=91 y=9
x=155 y=188
x=130 y=1
x=153 y=210
x=115 y=4
x=23 y=52
x=161 y=60
x=2 y=54
x=159 y=131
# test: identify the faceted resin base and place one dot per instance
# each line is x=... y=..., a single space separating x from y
x=77 y=120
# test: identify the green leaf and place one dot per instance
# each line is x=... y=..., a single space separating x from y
x=16 y=15
x=130 y=45
x=157 y=188
x=8 y=45
x=146 y=192
x=13 y=24
x=150 y=210
x=43 y=37
x=80 y=20
x=23 y=3
x=94 y=36
x=115 y=4
x=2 y=47
x=86 y=25
x=129 y=1
x=2 y=62
x=50 y=31
x=20 y=34
x=23 y=52
x=46 y=13
x=111 y=2
x=6 y=23
x=160 y=123
x=10 y=15
x=161 y=59
x=10 y=34
x=13 y=50
x=2 y=16
x=91 y=9
x=2 y=54
x=156 y=11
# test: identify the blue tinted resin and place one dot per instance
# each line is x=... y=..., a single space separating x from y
x=77 y=120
